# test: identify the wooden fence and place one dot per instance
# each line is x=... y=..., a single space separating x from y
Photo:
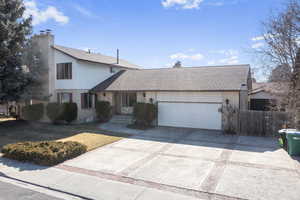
x=260 y=123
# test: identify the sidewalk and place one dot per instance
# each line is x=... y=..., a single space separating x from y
x=64 y=184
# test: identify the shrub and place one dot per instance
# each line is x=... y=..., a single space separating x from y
x=103 y=110
x=70 y=111
x=46 y=153
x=54 y=112
x=33 y=112
x=144 y=114
x=62 y=112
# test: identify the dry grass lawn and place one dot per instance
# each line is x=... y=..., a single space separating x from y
x=92 y=140
x=12 y=131
x=6 y=119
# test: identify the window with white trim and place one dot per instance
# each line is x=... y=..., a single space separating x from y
x=87 y=100
x=63 y=71
x=64 y=97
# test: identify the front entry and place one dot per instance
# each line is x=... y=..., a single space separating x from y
x=125 y=102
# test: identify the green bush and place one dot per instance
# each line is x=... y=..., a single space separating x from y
x=62 y=112
x=46 y=153
x=103 y=110
x=33 y=112
x=54 y=112
x=144 y=114
x=70 y=112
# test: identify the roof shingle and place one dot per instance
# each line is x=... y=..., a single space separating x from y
x=213 y=78
x=94 y=57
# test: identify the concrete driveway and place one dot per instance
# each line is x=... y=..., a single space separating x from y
x=195 y=164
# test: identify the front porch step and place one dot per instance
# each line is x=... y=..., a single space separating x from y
x=121 y=119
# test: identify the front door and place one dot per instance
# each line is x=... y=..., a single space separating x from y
x=126 y=102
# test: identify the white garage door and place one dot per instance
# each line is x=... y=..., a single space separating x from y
x=190 y=115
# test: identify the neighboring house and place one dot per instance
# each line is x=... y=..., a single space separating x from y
x=268 y=96
x=186 y=97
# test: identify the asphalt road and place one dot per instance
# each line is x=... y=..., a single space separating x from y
x=12 y=192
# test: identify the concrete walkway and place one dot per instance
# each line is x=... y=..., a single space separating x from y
x=169 y=163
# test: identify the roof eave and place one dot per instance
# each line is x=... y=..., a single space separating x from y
x=77 y=58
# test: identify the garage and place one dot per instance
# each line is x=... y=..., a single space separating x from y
x=190 y=115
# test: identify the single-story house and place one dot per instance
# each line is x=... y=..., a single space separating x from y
x=186 y=96
x=266 y=96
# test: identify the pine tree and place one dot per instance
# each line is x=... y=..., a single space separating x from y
x=14 y=31
x=35 y=70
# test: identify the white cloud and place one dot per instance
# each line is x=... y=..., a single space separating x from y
x=258 y=38
x=230 y=60
x=195 y=4
x=184 y=4
x=257 y=45
x=211 y=62
x=183 y=56
x=262 y=37
x=41 y=16
x=227 y=52
x=84 y=11
x=231 y=56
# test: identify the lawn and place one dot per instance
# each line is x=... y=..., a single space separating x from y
x=92 y=140
x=12 y=131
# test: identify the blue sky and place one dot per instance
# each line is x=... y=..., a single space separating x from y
x=157 y=33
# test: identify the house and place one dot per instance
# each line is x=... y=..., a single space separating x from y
x=72 y=73
x=186 y=96
x=266 y=96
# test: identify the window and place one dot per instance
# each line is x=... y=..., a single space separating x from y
x=86 y=100
x=128 y=99
x=64 y=97
x=64 y=71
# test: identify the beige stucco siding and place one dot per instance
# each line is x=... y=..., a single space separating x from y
x=214 y=97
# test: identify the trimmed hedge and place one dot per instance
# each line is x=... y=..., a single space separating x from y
x=46 y=153
x=103 y=110
x=144 y=114
x=33 y=112
x=70 y=112
x=54 y=112
x=62 y=112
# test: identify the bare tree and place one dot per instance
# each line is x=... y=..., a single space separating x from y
x=281 y=34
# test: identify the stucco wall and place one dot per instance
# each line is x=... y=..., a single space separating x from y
x=85 y=75
x=217 y=97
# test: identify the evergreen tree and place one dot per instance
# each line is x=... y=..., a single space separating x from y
x=14 y=30
x=36 y=72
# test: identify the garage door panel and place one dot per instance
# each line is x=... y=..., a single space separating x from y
x=190 y=115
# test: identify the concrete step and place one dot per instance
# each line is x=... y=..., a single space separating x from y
x=121 y=119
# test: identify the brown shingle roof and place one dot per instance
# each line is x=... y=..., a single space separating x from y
x=94 y=57
x=182 y=79
x=270 y=87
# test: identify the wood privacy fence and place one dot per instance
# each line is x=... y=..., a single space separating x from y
x=260 y=123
